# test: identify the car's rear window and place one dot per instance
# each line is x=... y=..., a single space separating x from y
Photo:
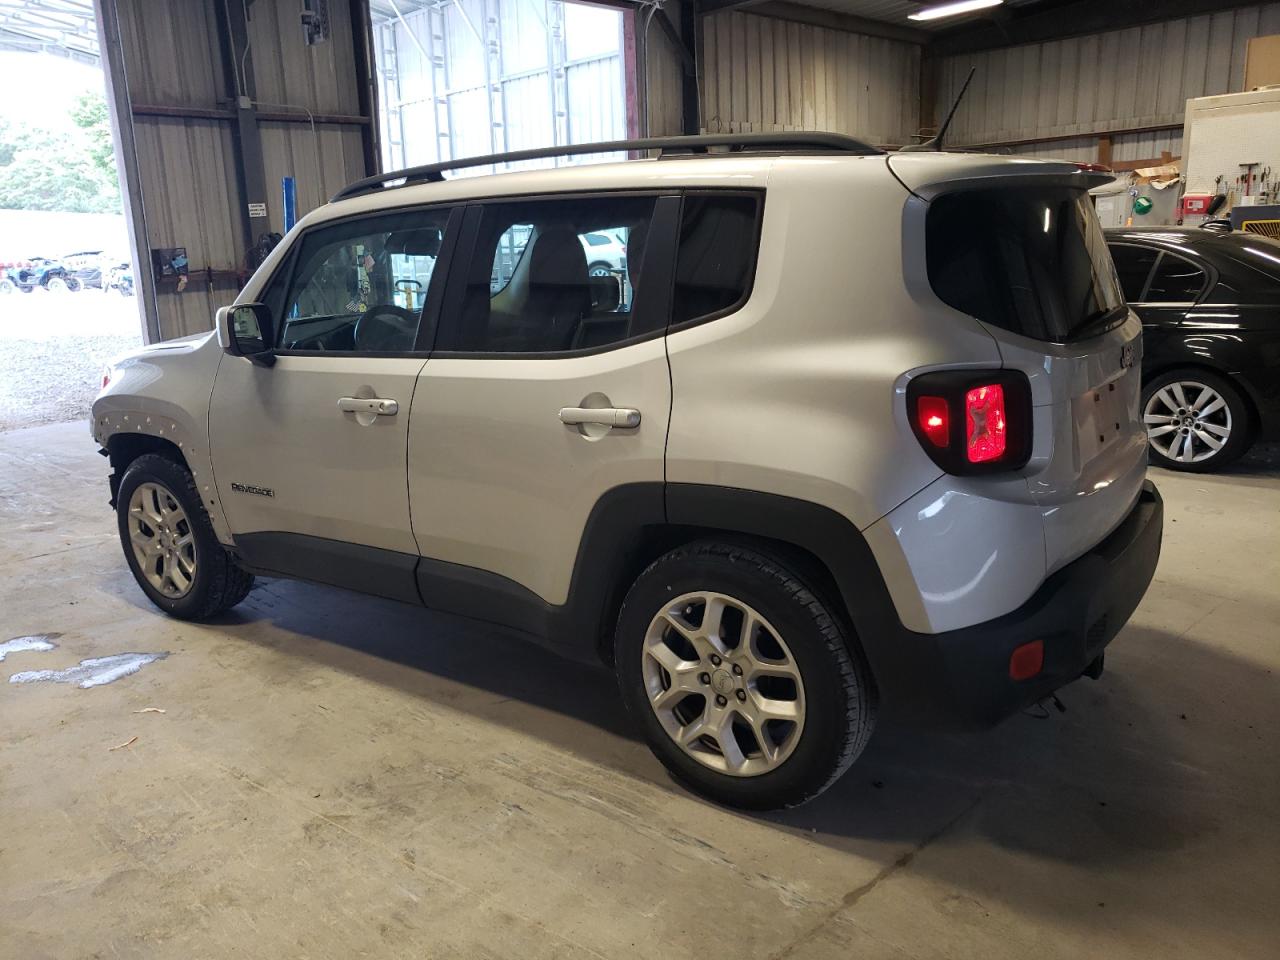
x=1032 y=260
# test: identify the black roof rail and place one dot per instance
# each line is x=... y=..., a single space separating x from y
x=734 y=142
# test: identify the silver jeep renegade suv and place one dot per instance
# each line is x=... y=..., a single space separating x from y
x=841 y=431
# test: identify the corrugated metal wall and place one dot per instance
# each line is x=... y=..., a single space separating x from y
x=766 y=74
x=1137 y=77
x=187 y=166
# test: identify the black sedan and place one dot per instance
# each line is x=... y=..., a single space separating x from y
x=1210 y=309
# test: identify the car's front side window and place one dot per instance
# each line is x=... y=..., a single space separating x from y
x=360 y=285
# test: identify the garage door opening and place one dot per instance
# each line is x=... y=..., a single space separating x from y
x=67 y=301
x=477 y=77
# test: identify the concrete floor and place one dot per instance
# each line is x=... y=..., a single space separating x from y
x=337 y=776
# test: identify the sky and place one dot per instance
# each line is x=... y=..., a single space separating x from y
x=50 y=86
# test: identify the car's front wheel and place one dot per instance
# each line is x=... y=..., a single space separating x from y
x=1196 y=421
x=743 y=681
x=170 y=544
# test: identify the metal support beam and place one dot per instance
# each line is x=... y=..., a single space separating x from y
x=366 y=84
x=690 y=45
x=126 y=149
x=1059 y=137
x=251 y=176
x=305 y=118
x=708 y=7
x=686 y=56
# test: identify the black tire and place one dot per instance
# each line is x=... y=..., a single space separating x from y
x=1236 y=414
x=600 y=269
x=219 y=583
x=840 y=703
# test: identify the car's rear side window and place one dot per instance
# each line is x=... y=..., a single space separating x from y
x=1176 y=280
x=1133 y=266
x=1032 y=260
x=715 y=265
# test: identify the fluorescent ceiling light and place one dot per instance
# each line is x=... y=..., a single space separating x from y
x=953 y=9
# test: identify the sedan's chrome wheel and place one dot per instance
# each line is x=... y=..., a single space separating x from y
x=1187 y=421
x=162 y=540
x=723 y=684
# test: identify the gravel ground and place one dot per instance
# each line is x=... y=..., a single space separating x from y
x=52 y=351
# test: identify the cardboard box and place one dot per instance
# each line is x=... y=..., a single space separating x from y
x=1262 y=62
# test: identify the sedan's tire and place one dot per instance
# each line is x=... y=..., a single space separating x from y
x=744 y=682
x=1196 y=421
x=600 y=269
x=170 y=545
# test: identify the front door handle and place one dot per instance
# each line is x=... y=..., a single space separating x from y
x=605 y=416
x=375 y=405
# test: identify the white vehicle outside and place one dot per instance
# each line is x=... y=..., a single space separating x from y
x=788 y=468
x=606 y=253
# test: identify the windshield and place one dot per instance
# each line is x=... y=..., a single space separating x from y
x=1032 y=260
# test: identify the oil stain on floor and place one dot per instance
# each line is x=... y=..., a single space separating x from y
x=93 y=672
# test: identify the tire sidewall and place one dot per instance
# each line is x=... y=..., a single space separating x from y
x=823 y=738
x=174 y=477
x=1241 y=428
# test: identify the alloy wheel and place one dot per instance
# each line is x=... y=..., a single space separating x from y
x=723 y=684
x=162 y=540
x=1187 y=421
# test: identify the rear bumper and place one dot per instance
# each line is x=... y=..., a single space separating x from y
x=963 y=675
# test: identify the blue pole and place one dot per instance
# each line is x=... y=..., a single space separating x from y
x=290 y=202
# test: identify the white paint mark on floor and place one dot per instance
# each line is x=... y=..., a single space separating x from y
x=39 y=641
x=93 y=672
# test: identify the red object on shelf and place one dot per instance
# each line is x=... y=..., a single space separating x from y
x=1195 y=204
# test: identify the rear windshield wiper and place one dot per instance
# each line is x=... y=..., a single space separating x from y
x=1098 y=321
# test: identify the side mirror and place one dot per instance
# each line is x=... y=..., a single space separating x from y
x=246 y=330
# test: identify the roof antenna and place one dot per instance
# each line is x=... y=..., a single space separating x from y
x=935 y=142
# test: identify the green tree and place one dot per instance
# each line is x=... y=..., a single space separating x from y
x=70 y=171
x=90 y=115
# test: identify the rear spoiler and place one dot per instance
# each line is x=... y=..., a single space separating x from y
x=928 y=175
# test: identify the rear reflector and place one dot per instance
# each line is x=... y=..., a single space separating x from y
x=986 y=426
x=934 y=419
x=1027 y=660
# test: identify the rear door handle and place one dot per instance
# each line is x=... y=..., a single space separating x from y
x=374 y=405
x=605 y=416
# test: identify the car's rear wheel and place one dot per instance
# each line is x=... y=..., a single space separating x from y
x=600 y=269
x=1196 y=421
x=170 y=544
x=743 y=681
x=55 y=285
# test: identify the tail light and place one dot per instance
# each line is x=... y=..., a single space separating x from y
x=972 y=421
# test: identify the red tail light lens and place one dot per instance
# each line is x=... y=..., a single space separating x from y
x=986 y=426
x=933 y=417
x=972 y=421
